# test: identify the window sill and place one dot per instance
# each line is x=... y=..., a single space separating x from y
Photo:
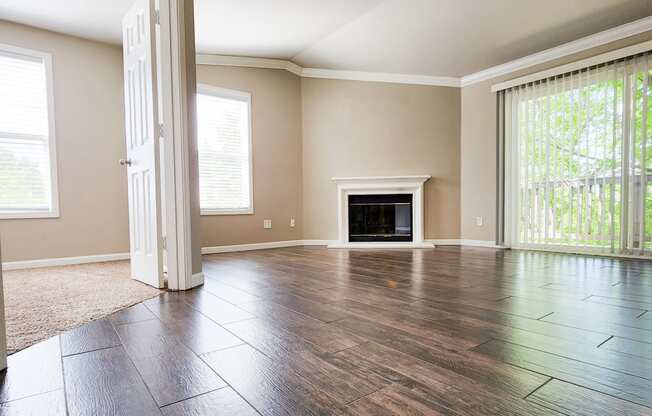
x=28 y=215
x=207 y=212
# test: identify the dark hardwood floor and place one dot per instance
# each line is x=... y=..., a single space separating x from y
x=312 y=331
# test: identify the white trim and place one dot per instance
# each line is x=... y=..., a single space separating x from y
x=601 y=38
x=480 y=243
x=63 y=261
x=248 y=62
x=412 y=79
x=463 y=242
x=380 y=179
x=382 y=245
x=46 y=58
x=251 y=62
x=208 y=212
x=250 y=247
x=177 y=119
x=243 y=96
x=197 y=279
x=445 y=242
x=412 y=185
x=574 y=66
x=318 y=242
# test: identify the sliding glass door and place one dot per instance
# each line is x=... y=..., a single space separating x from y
x=578 y=160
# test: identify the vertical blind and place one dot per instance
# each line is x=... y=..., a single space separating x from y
x=25 y=171
x=224 y=153
x=578 y=160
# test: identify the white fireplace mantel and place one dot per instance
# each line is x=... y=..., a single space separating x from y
x=380 y=185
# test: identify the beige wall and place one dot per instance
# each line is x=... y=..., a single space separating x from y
x=90 y=139
x=276 y=136
x=353 y=128
x=478 y=144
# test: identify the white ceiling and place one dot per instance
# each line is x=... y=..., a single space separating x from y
x=425 y=37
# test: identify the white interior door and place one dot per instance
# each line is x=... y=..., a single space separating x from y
x=142 y=136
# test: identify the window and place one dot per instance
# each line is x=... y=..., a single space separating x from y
x=580 y=159
x=27 y=148
x=224 y=145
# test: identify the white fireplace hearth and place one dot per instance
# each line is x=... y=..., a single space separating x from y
x=380 y=185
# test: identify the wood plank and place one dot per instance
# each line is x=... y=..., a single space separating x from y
x=171 y=371
x=508 y=320
x=136 y=313
x=606 y=325
x=92 y=336
x=628 y=346
x=105 y=382
x=572 y=400
x=604 y=380
x=198 y=332
x=424 y=386
x=47 y=404
x=267 y=386
x=32 y=371
x=494 y=375
x=213 y=307
x=224 y=401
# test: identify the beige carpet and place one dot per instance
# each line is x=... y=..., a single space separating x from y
x=40 y=303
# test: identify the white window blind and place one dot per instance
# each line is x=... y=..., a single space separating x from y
x=27 y=164
x=579 y=160
x=224 y=145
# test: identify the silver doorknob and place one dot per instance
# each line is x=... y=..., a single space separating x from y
x=125 y=162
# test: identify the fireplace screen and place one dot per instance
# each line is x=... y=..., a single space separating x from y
x=380 y=217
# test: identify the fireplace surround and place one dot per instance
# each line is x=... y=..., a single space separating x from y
x=368 y=230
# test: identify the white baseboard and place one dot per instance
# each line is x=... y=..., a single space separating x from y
x=446 y=242
x=317 y=242
x=382 y=244
x=480 y=243
x=197 y=279
x=249 y=247
x=464 y=242
x=63 y=261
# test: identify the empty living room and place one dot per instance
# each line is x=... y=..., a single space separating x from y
x=341 y=207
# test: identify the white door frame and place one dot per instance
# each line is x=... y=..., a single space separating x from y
x=177 y=59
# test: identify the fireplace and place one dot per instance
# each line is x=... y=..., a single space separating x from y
x=380 y=211
x=380 y=217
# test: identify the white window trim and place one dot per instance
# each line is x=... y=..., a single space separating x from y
x=49 y=83
x=206 y=89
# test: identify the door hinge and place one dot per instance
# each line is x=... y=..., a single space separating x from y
x=161 y=131
x=164 y=243
x=157 y=16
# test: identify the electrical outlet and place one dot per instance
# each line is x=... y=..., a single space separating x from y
x=267 y=224
x=292 y=223
x=479 y=221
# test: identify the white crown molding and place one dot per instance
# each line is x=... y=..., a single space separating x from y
x=250 y=62
x=601 y=38
x=381 y=77
x=575 y=66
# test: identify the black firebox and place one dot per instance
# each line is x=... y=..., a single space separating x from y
x=380 y=217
